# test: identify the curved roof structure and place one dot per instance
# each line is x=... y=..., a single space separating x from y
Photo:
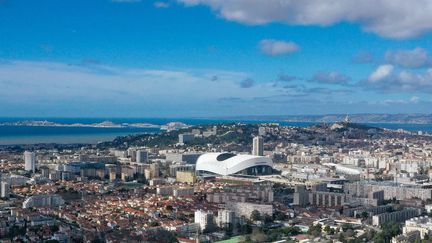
x=229 y=164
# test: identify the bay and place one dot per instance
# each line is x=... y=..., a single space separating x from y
x=56 y=134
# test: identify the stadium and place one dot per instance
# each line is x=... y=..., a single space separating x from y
x=233 y=164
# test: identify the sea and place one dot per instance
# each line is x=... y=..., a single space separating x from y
x=15 y=135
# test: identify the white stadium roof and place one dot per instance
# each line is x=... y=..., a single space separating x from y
x=228 y=163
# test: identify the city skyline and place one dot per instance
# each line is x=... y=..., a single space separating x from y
x=132 y=58
x=200 y=121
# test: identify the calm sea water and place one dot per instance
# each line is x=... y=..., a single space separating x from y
x=32 y=134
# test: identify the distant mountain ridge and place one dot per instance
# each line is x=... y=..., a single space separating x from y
x=357 y=118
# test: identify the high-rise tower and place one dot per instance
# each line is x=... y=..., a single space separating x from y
x=258 y=146
x=29 y=161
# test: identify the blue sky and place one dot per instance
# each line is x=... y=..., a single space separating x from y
x=132 y=58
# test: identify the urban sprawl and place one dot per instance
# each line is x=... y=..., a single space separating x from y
x=339 y=182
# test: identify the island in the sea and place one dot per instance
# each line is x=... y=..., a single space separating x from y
x=104 y=124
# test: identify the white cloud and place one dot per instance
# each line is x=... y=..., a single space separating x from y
x=416 y=58
x=386 y=80
x=414 y=100
x=381 y=72
x=330 y=77
x=389 y=18
x=277 y=47
x=159 y=4
x=397 y=76
x=29 y=81
x=392 y=102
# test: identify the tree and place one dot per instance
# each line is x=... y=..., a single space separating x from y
x=267 y=219
x=341 y=237
x=16 y=231
x=54 y=228
x=255 y=215
x=229 y=229
x=246 y=238
x=288 y=231
x=258 y=236
x=315 y=230
x=346 y=227
x=153 y=224
x=162 y=235
x=278 y=215
x=327 y=229
x=245 y=229
x=369 y=234
x=388 y=232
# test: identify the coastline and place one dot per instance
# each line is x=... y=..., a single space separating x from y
x=92 y=131
x=18 y=135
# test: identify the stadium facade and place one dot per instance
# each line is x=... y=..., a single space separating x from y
x=233 y=164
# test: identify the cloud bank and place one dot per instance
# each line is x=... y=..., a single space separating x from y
x=36 y=88
x=397 y=19
x=386 y=78
x=416 y=58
